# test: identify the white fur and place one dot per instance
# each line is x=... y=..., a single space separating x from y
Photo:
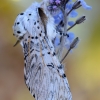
x=51 y=28
x=51 y=31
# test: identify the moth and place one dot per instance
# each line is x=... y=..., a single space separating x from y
x=43 y=73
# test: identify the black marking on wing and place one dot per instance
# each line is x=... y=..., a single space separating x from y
x=32 y=66
x=34 y=95
x=60 y=67
x=50 y=65
x=54 y=54
x=26 y=55
x=63 y=76
x=46 y=39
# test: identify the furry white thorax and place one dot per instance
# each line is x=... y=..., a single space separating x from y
x=51 y=30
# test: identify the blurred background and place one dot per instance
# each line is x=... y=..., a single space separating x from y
x=82 y=65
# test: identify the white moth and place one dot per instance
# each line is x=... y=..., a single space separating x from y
x=44 y=75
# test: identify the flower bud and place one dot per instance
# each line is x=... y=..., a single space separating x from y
x=80 y=20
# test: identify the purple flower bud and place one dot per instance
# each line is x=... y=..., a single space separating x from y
x=54 y=7
x=51 y=1
x=58 y=2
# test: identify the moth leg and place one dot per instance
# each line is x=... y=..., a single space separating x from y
x=41 y=51
x=42 y=58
